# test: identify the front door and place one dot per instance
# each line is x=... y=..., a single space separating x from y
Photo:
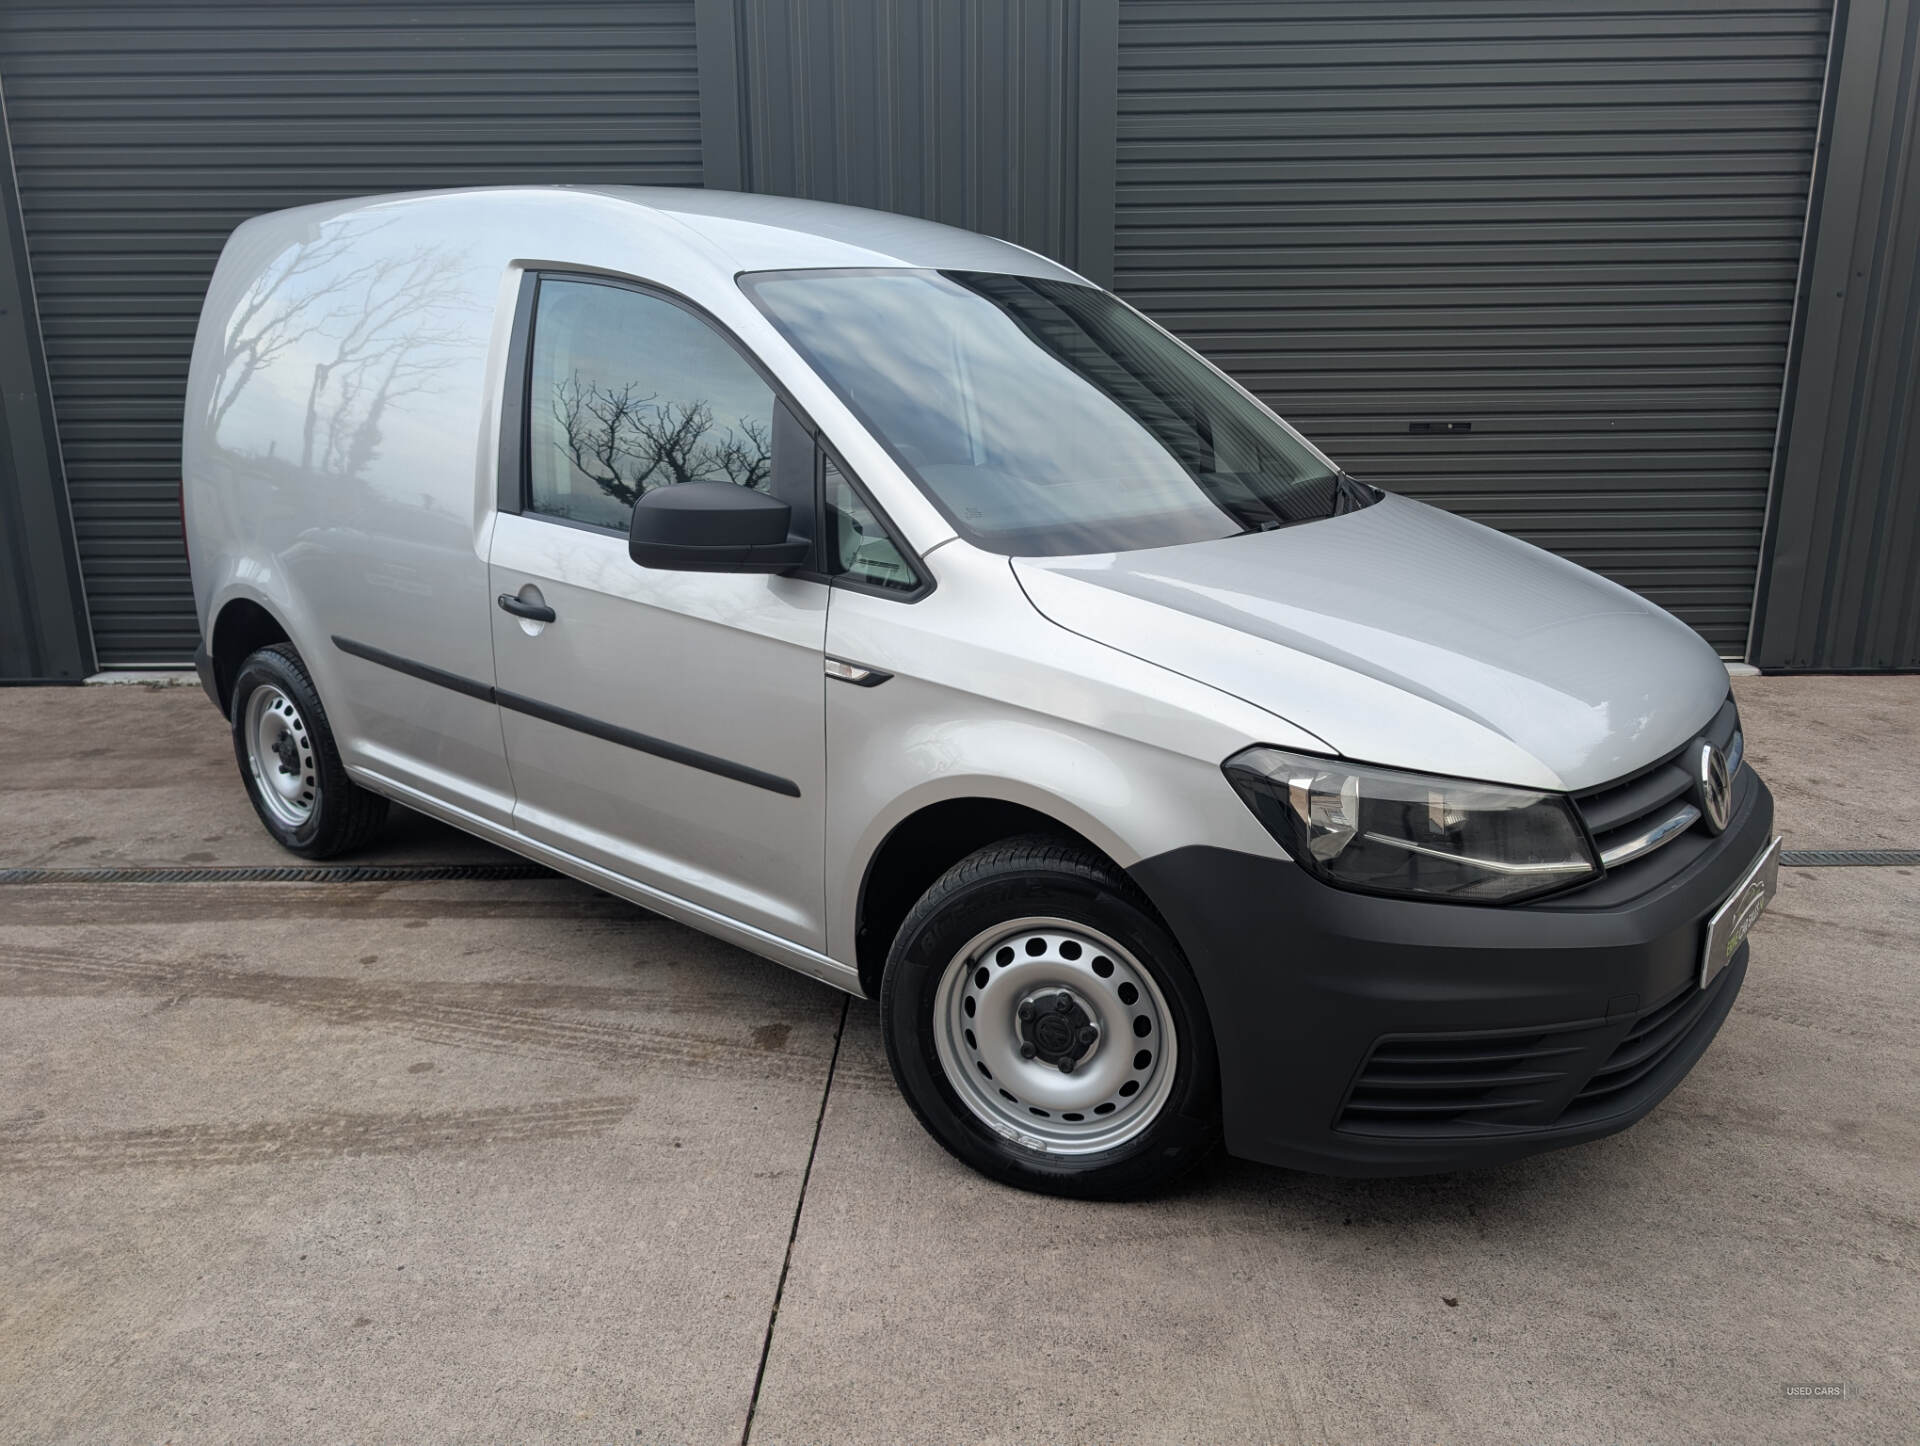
x=669 y=726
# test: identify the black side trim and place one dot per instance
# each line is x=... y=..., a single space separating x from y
x=643 y=743
x=511 y=475
x=437 y=676
x=579 y=722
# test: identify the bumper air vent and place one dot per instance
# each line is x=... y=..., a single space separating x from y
x=1441 y=1086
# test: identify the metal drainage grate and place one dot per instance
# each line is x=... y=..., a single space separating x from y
x=1849 y=858
x=296 y=874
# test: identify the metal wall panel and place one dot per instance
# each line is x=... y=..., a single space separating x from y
x=973 y=112
x=44 y=635
x=1572 y=227
x=1841 y=582
x=144 y=133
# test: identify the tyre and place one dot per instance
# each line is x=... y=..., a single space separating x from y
x=1045 y=1027
x=289 y=763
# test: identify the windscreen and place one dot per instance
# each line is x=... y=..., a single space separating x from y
x=1046 y=417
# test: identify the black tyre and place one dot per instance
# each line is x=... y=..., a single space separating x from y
x=289 y=763
x=1045 y=1028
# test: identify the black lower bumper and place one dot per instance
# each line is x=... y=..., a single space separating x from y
x=1370 y=1036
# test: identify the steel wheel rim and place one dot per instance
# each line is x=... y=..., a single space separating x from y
x=280 y=756
x=1116 y=1089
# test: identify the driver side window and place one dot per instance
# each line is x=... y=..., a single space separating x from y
x=629 y=392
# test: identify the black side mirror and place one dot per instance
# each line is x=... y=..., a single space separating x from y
x=714 y=527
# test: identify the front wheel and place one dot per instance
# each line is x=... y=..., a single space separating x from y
x=1045 y=1028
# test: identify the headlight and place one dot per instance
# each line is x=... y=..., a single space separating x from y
x=1406 y=833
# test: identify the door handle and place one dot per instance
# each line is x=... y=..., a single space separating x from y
x=533 y=611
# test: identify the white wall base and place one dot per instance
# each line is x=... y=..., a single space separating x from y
x=152 y=677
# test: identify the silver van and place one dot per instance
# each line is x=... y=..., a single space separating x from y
x=903 y=608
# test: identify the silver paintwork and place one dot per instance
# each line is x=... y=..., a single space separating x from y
x=989 y=700
x=628 y=645
x=340 y=447
x=1409 y=637
x=976 y=1035
x=756 y=941
x=280 y=756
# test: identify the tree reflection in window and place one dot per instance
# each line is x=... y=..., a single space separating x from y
x=626 y=443
x=352 y=337
x=639 y=393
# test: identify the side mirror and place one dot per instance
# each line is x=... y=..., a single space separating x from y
x=713 y=527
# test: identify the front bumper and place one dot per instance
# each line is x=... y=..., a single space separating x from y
x=1370 y=1036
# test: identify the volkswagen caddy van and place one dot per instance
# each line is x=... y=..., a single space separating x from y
x=901 y=607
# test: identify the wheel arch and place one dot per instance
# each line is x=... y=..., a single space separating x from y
x=243 y=625
x=920 y=847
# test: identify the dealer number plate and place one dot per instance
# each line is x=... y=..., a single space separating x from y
x=1727 y=930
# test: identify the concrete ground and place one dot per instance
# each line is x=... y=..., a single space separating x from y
x=516 y=1161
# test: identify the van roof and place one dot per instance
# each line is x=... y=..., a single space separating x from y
x=744 y=232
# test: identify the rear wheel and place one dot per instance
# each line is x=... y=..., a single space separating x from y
x=1045 y=1028
x=289 y=763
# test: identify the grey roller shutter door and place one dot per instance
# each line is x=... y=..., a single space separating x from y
x=144 y=133
x=1573 y=228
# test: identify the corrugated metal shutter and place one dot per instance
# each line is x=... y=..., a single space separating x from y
x=1841 y=588
x=963 y=112
x=144 y=133
x=1574 y=227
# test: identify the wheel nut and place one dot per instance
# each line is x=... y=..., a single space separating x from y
x=1066 y=1066
x=1062 y=1003
x=1027 y=1051
x=1087 y=1036
x=1026 y=1009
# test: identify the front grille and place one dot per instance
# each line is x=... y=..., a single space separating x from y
x=1635 y=816
x=1463 y=1085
